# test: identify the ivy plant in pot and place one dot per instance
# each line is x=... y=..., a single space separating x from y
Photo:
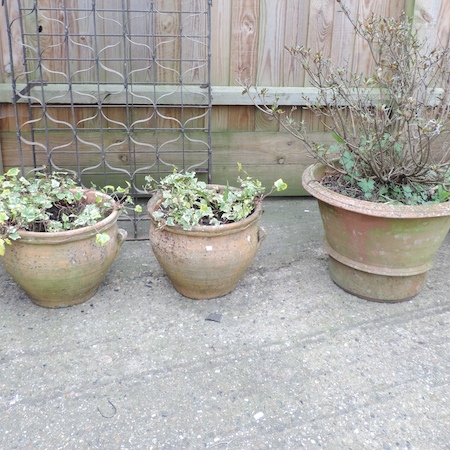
x=205 y=236
x=382 y=187
x=57 y=239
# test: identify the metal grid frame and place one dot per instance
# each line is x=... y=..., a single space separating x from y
x=112 y=90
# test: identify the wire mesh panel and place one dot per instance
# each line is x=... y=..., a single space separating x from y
x=112 y=90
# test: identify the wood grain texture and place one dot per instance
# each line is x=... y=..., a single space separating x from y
x=241 y=118
x=219 y=118
x=50 y=40
x=194 y=52
x=433 y=19
x=443 y=25
x=244 y=40
x=265 y=155
x=167 y=48
x=320 y=27
x=248 y=37
x=11 y=56
x=362 y=60
x=343 y=49
x=221 y=39
x=295 y=33
x=263 y=122
x=271 y=42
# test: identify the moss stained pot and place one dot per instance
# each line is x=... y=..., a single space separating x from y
x=63 y=268
x=377 y=251
x=206 y=261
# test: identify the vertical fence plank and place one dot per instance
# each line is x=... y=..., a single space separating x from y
x=219 y=119
x=221 y=44
x=52 y=39
x=362 y=60
x=320 y=39
x=272 y=17
x=244 y=43
x=80 y=45
x=433 y=19
x=139 y=28
x=4 y=48
x=194 y=52
x=343 y=45
x=167 y=49
x=320 y=26
x=443 y=25
x=295 y=33
x=16 y=47
x=241 y=118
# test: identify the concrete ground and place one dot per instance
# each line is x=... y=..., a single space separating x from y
x=294 y=363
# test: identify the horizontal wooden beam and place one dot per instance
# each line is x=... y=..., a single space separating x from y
x=110 y=94
x=266 y=156
x=167 y=95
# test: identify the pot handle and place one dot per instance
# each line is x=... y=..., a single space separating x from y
x=121 y=236
x=262 y=234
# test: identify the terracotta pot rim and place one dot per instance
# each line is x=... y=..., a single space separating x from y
x=59 y=237
x=311 y=183
x=215 y=230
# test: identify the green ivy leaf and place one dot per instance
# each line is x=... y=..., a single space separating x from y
x=13 y=172
x=102 y=238
x=280 y=185
x=78 y=195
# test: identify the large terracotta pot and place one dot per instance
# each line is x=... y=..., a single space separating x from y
x=378 y=251
x=63 y=268
x=207 y=261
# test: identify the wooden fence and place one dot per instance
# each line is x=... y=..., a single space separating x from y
x=248 y=40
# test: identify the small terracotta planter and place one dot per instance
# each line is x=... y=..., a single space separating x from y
x=378 y=251
x=63 y=268
x=207 y=261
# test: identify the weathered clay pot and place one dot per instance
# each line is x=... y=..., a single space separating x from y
x=207 y=261
x=63 y=268
x=378 y=251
